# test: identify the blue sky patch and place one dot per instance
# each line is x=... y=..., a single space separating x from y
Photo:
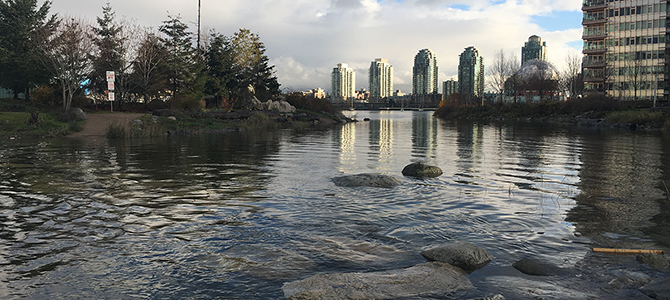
x=559 y=20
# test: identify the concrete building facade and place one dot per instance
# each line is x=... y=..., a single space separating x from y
x=471 y=74
x=625 y=49
x=381 y=79
x=343 y=83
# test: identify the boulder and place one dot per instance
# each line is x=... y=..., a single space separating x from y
x=285 y=107
x=466 y=256
x=421 y=170
x=74 y=114
x=423 y=279
x=257 y=104
x=658 y=289
x=370 y=180
x=535 y=267
x=654 y=260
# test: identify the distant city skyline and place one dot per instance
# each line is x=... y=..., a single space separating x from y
x=305 y=39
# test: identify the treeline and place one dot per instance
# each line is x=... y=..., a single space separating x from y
x=43 y=53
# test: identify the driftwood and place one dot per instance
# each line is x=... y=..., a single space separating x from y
x=626 y=251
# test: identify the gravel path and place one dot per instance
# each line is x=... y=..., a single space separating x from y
x=96 y=124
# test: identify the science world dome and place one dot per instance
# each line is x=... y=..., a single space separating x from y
x=533 y=68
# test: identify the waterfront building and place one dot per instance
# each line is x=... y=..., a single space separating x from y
x=424 y=79
x=625 y=49
x=471 y=74
x=535 y=48
x=449 y=87
x=381 y=79
x=343 y=83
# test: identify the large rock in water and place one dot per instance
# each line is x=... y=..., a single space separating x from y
x=421 y=170
x=371 y=180
x=423 y=279
x=658 y=289
x=535 y=267
x=466 y=256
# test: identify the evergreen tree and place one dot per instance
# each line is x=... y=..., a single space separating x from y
x=20 y=21
x=180 y=62
x=251 y=65
x=221 y=75
x=108 y=41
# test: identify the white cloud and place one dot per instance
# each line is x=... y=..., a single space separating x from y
x=305 y=39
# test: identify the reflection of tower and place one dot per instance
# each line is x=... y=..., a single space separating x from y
x=424 y=135
x=347 y=145
x=381 y=137
x=470 y=145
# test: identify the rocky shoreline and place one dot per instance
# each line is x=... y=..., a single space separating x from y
x=462 y=270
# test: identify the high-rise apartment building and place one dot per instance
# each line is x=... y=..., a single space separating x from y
x=625 y=48
x=471 y=74
x=424 y=80
x=381 y=79
x=449 y=87
x=535 y=48
x=344 y=83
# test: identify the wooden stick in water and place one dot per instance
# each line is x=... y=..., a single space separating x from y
x=626 y=251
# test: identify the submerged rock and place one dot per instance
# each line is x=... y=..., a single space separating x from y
x=466 y=256
x=654 y=260
x=371 y=180
x=658 y=289
x=532 y=266
x=421 y=170
x=423 y=279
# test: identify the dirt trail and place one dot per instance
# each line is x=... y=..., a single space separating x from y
x=96 y=124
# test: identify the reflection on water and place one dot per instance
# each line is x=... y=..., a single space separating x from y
x=235 y=215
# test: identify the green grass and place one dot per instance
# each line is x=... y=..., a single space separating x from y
x=15 y=124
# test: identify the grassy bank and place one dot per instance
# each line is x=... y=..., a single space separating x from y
x=17 y=124
x=606 y=111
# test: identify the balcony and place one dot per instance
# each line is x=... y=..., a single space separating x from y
x=598 y=50
x=594 y=64
x=591 y=37
x=594 y=79
x=599 y=21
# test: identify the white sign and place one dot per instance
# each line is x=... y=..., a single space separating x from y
x=110 y=85
x=111 y=96
x=110 y=76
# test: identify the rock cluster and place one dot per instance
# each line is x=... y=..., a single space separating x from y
x=280 y=106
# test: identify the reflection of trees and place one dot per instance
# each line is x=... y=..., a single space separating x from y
x=424 y=135
x=619 y=183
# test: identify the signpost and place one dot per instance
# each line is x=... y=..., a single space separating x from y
x=110 y=88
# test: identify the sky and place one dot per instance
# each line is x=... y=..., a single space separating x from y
x=306 y=39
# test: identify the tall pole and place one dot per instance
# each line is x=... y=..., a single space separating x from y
x=199 y=23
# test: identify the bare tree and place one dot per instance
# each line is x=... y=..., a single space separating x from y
x=514 y=82
x=499 y=72
x=150 y=55
x=67 y=53
x=571 y=80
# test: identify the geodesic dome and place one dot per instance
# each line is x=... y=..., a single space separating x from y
x=536 y=68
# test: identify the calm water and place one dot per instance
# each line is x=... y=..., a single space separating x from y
x=234 y=216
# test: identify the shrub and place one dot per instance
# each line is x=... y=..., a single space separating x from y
x=311 y=104
x=186 y=102
x=259 y=121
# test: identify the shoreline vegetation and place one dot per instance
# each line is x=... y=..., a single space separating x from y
x=592 y=112
x=19 y=118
